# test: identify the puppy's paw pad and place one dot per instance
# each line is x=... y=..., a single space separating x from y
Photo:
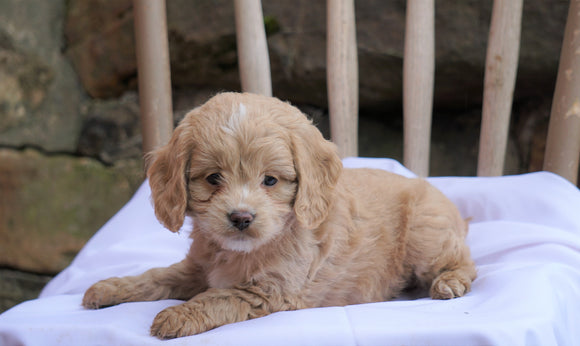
x=175 y=322
x=447 y=287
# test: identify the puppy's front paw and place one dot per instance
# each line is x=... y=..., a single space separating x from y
x=449 y=285
x=103 y=293
x=180 y=320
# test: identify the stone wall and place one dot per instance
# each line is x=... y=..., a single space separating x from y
x=70 y=140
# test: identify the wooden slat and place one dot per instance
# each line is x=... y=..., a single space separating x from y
x=342 y=75
x=253 y=59
x=563 y=143
x=153 y=72
x=500 y=76
x=418 y=78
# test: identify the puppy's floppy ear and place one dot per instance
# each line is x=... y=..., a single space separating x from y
x=167 y=177
x=318 y=167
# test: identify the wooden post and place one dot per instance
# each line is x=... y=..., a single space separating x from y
x=253 y=59
x=563 y=143
x=418 y=78
x=342 y=75
x=153 y=72
x=500 y=78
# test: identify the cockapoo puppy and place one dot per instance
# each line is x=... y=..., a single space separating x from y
x=279 y=224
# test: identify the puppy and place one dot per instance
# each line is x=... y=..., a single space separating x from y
x=278 y=224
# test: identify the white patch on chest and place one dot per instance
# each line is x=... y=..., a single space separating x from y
x=234 y=122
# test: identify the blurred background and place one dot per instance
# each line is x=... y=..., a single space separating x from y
x=70 y=143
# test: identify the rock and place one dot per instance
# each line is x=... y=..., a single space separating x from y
x=101 y=45
x=111 y=129
x=51 y=205
x=24 y=81
x=203 y=48
x=39 y=92
x=16 y=287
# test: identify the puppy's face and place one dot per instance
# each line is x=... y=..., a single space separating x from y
x=242 y=183
x=245 y=167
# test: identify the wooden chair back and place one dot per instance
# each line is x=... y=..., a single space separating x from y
x=563 y=142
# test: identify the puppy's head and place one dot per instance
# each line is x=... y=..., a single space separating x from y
x=244 y=167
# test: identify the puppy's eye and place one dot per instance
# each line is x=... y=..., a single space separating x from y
x=214 y=179
x=270 y=181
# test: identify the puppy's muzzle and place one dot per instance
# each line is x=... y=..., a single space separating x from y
x=241 y=219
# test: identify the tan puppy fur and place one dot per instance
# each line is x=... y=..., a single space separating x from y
x=280 y=225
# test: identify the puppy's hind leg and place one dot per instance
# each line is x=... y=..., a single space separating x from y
x=454 y=270
x=179 y=281
x=437 y=248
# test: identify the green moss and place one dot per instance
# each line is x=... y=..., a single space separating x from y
x=271 y=25
x=56 y=204
x=73 y=196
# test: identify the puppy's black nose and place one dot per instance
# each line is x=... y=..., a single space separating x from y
x=241 y=219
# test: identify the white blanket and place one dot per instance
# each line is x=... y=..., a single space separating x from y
x=524 y=237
